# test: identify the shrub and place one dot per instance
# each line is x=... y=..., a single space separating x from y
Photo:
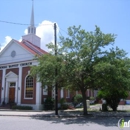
x=49 y=104
x=113 y=96
x=92 y=98
x=22 y=107
x=62 y=103
x=65 y=106
x=78 y=99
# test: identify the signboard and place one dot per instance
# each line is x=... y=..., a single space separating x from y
x=16 y=65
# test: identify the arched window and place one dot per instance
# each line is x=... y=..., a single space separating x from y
x=29 y=87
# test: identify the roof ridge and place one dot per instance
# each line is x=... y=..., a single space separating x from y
x=39 y=49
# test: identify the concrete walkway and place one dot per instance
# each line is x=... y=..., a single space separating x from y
x=67 y=113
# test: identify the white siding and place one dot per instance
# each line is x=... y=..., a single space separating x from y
x=21 y=54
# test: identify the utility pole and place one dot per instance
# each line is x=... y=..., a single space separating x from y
x=56 y=89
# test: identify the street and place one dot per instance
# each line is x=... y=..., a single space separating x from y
x=48 y=123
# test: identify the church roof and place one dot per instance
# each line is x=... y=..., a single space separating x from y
x=31 y=47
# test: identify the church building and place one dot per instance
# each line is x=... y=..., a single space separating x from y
x=15 y=60
x=16 y=85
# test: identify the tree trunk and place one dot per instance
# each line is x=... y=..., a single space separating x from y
x=84 y=102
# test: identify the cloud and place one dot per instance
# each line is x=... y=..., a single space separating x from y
x=45 y=31
x=7 y=40
x=25 y=31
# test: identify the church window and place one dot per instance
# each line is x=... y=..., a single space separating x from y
x=29 y=87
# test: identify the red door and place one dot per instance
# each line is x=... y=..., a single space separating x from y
x=11 y=95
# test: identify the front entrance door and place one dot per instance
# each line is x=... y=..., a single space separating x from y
x=11 y=95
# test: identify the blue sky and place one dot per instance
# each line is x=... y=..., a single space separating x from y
x=112 y=16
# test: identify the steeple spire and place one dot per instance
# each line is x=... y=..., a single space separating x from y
x=32 y=28
x=32 y=16
x=31 y=36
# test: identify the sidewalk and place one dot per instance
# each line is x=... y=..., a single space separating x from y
x=66 y=113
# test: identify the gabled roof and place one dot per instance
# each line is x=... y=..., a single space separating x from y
x=27 y=46
x=31 y=47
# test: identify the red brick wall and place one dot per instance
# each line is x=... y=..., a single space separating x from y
x=15 y=70
x=0 y=83
x=68 y=99
x=50 y=95
x=27 y=101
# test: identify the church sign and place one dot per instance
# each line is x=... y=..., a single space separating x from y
x=15 y=65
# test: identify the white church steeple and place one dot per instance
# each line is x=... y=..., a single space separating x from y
x=32 y=28
x=31 y=36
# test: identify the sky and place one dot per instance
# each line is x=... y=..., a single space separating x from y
x=112 y=16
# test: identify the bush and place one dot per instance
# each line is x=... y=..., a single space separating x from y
x=65 y=106
x=49 y=104
x=113 y=96
x=22 y=107
x=62 y=103
x=78 y=99
x=92 y=98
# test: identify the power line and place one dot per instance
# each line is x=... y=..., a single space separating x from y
x=22 y=23
x=8 y=22
x=60 y=33
x=63 y=30
x=12 y=23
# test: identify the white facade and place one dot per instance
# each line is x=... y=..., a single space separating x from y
x=21 y=54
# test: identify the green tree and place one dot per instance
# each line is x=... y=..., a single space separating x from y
x=45 y=71
x=114 y=77
x=78 y=54
x=81 y=50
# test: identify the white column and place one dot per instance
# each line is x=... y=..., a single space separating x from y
x=6 y=92
x=3 y=86
x=61 y=93
x=19 y=86
x=16 y=92
x=38 y=95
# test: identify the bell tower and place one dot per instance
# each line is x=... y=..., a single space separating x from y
x=31 y=36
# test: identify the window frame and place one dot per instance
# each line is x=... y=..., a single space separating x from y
x=25 y=88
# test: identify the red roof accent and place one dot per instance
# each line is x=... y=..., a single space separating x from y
x=31 y=48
